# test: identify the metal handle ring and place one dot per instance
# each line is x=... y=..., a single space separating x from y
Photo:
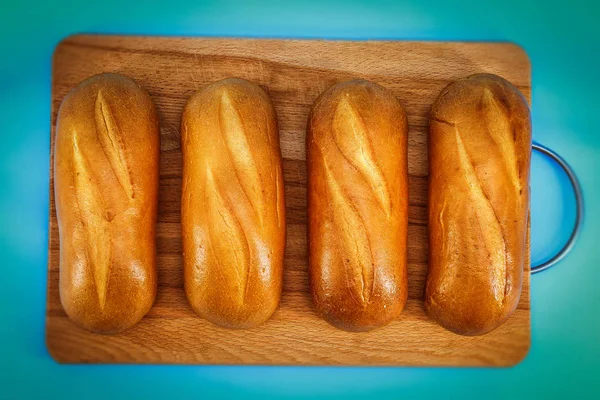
x=579 y=212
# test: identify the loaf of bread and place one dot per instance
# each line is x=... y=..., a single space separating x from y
x=479 y=155
x=233 y=208
x=357 y=205
x=106 y=156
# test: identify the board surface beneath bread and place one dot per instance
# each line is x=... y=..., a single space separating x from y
x=293 y=73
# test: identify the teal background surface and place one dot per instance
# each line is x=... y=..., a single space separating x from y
x=562 y=40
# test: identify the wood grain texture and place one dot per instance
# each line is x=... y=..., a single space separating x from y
x=293 y=73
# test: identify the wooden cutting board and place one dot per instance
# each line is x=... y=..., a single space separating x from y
x=294 y=73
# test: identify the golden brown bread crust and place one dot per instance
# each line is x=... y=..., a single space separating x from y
x=106 y=160
x=479 y=155
x=358 y=205
x=233 y=209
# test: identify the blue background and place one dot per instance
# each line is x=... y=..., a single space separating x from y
x=562 y=40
